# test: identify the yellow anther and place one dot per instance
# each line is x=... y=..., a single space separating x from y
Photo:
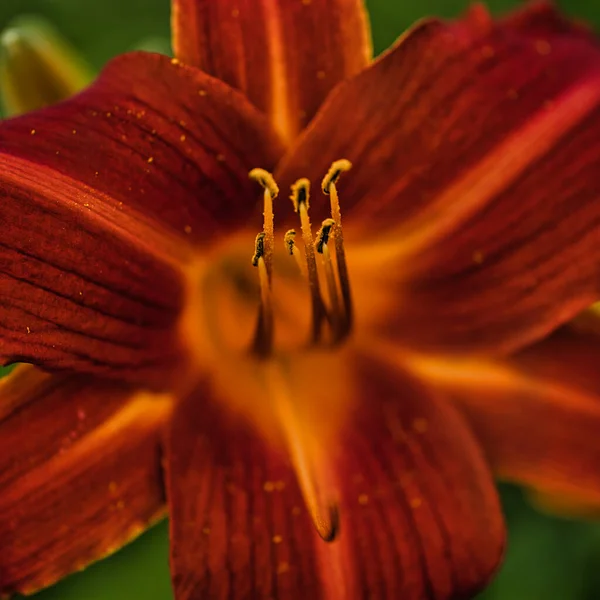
x=300 y=194
x=259 y=248
x=336 y=169
x=323 y=234
x=289 y=240
x=265 y=179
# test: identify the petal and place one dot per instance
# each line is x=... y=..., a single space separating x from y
x=418 y=512
x=284 y=56
x=166 y=140
x=98 y=195
x=79 y=471
x=537 y=416
x=476 y=151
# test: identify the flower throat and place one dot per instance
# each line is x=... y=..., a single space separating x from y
x=331 y=311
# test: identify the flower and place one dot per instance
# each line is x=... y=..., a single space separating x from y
x=357 y=390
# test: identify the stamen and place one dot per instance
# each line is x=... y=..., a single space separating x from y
x=300 y=200
x=336 y=169
x=290 y=243
x=336 y=312
x=328 y=186
x=266 y=180
x=263 y=259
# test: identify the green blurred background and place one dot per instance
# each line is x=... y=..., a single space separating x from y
x=548 y=558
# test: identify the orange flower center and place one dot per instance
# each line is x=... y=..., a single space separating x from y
x=258 y=364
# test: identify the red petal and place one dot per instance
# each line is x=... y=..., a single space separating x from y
x=475 y=184
x=79 y=472
x=166 y=140
x=538 y=416
x=97 y=192
x=284 y=56
x=419 y=516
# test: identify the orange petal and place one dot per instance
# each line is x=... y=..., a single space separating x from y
x=79 y=471
x=537 y=416
x=418 y=512
x=474 y=192
x=285 y=56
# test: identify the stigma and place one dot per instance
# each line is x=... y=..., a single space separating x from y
x=320 y=259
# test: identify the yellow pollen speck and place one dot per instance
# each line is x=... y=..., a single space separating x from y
x=321 y=74
x=416 y=502
x=33 y=132
x=543 y=47
x=420 y=425
x=28 y=330
x=109 y=114
x=174 y=61
x=151 y=159
x=363 y=499
x=488 y=52
x=188 y=229
x=74 y=131
x=235 y=13
x=277 y=539
x=96 y=173
x=478 y=257
x=269 y=486
x=202 y=92
x=112 y=487
x=283 y=568
x=182 y=137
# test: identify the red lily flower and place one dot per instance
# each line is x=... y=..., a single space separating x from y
x=335 y=376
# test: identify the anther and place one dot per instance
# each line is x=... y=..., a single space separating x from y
x=336 y=169
x=300 y=194
x=289 y=240
x=265 y=179
x=259 y=248
x=323 y=234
